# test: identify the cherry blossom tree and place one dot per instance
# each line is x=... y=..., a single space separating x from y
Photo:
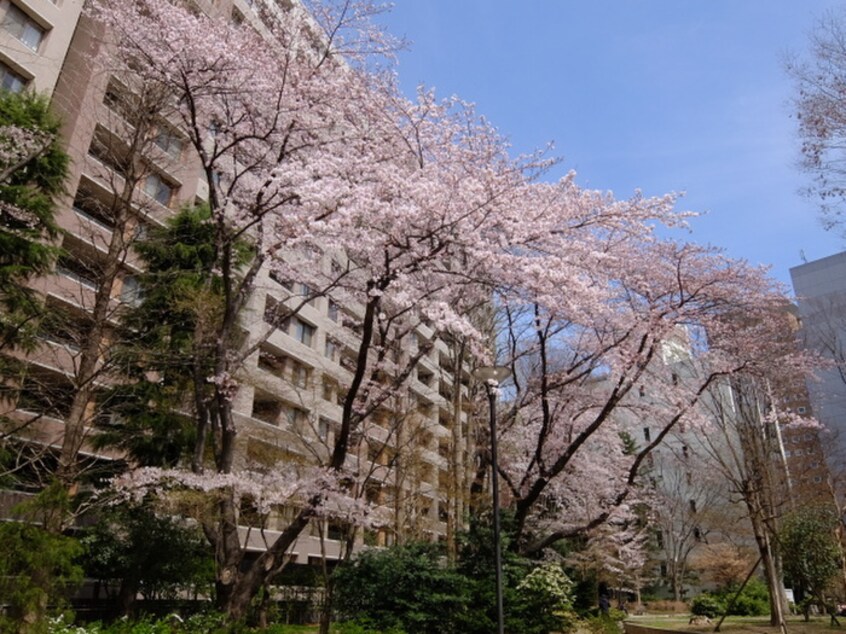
x=338 y=182
x=413 y=216
x=819 y=104
x=632 y=346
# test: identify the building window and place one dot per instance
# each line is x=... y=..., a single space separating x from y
x=267 y=410
x=303 y=332
x=23 y=27
x=87 y=207
x=330 y=350
x=295 y=416
x=169 y=143
x=131 y=293
x=646 y=434
x=156 y=188
x=10 y=80
x=78 y=271
x=323 y=427
x=283 y=282
x=328 y=389
x=299 y=374
x=685 y=451
x=333 y=312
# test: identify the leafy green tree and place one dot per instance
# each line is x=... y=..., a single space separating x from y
x=406 y=587
x=32 y=172
x=146 y=553
x=537 y=597
x=165 y=342
x=811 y=552
x=37 y=570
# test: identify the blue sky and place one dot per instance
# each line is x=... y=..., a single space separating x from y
x=662 y=95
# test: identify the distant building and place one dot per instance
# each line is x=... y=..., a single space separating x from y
x=820 y=288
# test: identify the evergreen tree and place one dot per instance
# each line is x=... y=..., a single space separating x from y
x=165 y=341
x=32 y=172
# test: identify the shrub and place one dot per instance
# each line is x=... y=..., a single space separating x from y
x=544 y=600
x=707 y=605
x=156 y=556
x=402 y=588
x=753 y=601
x=37 y=569
x=605 y=624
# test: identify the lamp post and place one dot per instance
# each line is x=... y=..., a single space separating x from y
x=491 y=377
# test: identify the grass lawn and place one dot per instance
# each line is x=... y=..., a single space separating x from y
x=741 y=624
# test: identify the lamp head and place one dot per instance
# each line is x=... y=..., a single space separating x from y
x=487 y=373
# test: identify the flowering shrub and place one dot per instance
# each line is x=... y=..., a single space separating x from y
x=546 y=598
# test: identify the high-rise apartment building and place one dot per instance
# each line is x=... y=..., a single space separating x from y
x=288 y=409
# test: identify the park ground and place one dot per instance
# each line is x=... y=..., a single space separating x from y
x=740 y=624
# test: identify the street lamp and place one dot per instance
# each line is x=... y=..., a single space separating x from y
x=491 y=377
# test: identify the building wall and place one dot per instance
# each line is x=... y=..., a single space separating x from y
x=820 y=288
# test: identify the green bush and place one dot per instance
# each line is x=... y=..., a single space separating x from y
x=605 y=623
x=544 y=600
x=707 y=605
x=402 y=588
x=753 y=601
x=37 y=570
x=154 y=555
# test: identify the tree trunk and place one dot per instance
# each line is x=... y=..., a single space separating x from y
x=771 y=576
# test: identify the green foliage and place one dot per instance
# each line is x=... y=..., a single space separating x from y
x=202 y=623
x=605 y=623
x=630 y=447
x=811 y=551
x=26 y=216
x=585 y=591
x=153 y=555
x=410 y=588
x=707 y=605
x=476 y=565
x=545 y=600
x=403 y=588
x=167 y=341
x=753 y=601
x=37 y=570
x=363 y=626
